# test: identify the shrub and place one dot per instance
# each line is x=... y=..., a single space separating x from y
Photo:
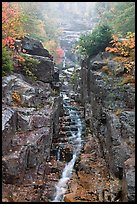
x=7 y=65
x=125 y=51
x=123 y=47
x=92 y=43
x=27 y=65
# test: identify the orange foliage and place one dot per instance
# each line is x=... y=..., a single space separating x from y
x=124 y=47
x=16 y=97
x=126 y=51
x=11 y=24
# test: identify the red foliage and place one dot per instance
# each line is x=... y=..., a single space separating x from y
x=11 y=24
x=60 y=54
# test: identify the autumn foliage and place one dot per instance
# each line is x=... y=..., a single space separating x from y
x=124 y=46
x=59 y=55
x=12 y=29
x=125 y=55
x=11 y=24
x=55 y=50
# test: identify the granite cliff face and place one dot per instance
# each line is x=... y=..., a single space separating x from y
x=110 y=116
x=30 y=117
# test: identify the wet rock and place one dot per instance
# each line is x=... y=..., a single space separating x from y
x=129 y=96
x=14 y=165
x=44 y=70
x=34 y=47
x=9 y=120
x=15 y=84
x=56 y=76
x=67 y=118
x=127 y=119
x=119 y=154
x=68 y=155
x=35 y=132
x=128 y=185
x=65 y=128
x=68 y=133
x=40 y=120
x=102 y=93
x=89 y=146
x=114 y=129
x=54 y=170
x=23 y=123
x=30 y=151
x=57 y=109
x=97 y=65
x=16 y=91
x=31 y=123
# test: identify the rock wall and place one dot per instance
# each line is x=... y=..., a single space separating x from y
x=109 y=111
x=30 y=117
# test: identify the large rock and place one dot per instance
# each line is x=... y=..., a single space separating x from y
x=15 y=85
x=14 y=165
x=9 y=121
x=34 y=47
x=109 y=109
x=31 y=120
x=44 y=70
x=29 y=95
x=30 y=150
x=31 y=145
x=28 y=126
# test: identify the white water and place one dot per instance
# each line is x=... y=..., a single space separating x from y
x=61 y=186
x=58 y=154
x=64 y=60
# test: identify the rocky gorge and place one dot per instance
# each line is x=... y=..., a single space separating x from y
x=84 y=127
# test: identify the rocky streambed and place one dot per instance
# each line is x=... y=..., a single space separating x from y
x=68 y=137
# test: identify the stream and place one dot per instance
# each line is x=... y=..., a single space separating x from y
x=75 y=127
x=76 y=141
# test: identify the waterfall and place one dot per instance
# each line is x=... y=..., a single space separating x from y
x=64 y=60
x=61 y=186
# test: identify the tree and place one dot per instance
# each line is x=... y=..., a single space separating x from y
x=92 y=43
x=118 y=15
x=11 y=24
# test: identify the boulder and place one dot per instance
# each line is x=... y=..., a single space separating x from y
x=29 y=151
x=13 y=86
x=44 y=71
x=16 y=91
x=14 y=165
x=34 y=47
